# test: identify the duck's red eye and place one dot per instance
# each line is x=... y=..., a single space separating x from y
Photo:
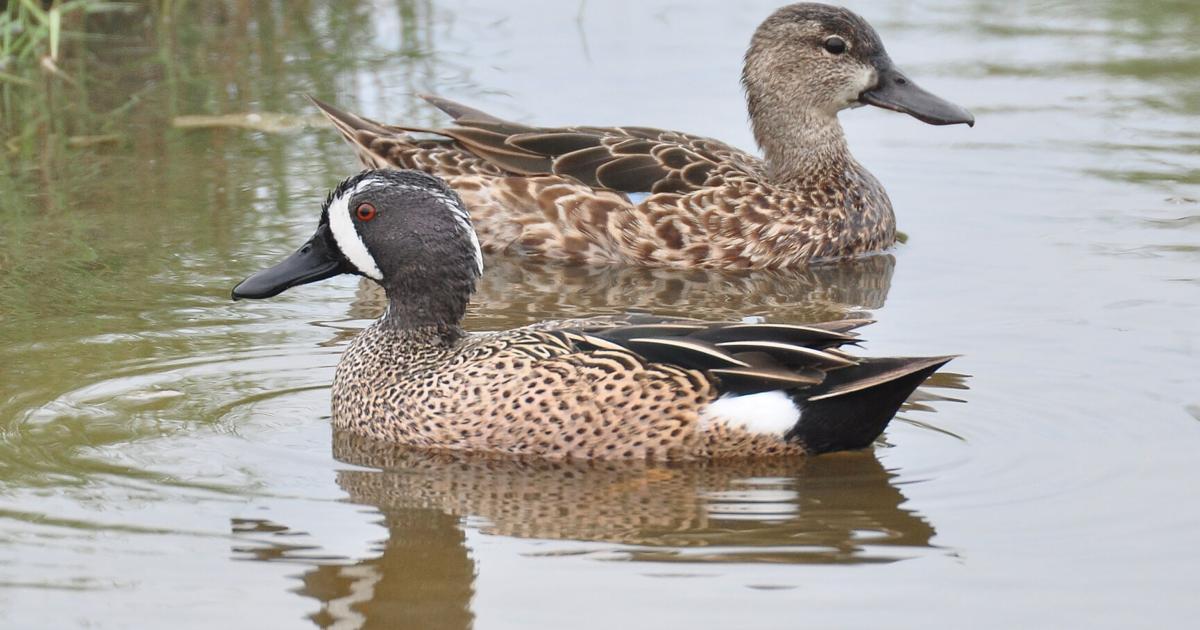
x=365 y=212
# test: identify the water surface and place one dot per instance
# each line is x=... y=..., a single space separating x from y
x=165 y=454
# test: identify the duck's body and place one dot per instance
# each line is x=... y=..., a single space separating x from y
x=631 y=387
x=645 y=196
x=636 y=196
x=601 y=390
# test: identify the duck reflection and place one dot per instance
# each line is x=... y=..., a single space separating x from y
x=838 y=508
x=835 y=509
x=517 y=291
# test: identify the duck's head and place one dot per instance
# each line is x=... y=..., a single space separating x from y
x=815 y=59
x=406 y=230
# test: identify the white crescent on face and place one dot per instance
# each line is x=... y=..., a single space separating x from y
x=348 y=240
x=341 y=223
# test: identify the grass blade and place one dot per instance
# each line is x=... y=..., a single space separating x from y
x=55 y=21
x=33 y=8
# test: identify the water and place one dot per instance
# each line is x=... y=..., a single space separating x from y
x=165 y=454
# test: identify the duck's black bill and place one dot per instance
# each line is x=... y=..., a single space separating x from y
x=898 y=93
x=315 y=260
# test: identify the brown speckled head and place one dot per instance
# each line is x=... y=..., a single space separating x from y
x=808 y=61
x=810 y=56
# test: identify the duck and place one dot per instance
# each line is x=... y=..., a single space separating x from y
x=609 y=387
x=652 y=197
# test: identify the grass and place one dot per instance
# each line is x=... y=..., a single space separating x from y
x=43 y=87
x=30 y=33
x=88 y=79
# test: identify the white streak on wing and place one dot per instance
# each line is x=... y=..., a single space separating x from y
x=636 y=198
x=771 y=413
x=347 y=237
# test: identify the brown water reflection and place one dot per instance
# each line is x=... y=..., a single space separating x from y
x=422 y=578
x=739 y=511
x=514 y=292
x=840 y=509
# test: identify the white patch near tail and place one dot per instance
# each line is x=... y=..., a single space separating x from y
x=347 y=237
x=770 y=413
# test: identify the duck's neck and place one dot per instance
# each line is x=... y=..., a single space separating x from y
x=801 y=146
x=429 y=314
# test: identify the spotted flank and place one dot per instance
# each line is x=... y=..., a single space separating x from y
x=609 y=391
x=655 y=197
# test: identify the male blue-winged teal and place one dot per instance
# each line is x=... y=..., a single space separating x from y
x=662 y=198
x=633 y=387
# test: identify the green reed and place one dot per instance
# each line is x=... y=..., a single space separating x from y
x=32 y=34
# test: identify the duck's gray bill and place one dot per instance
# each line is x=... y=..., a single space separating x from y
x=898 y=93
x=315 y=260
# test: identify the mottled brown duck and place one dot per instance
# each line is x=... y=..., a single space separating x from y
x=641 y=196
x=627 y=387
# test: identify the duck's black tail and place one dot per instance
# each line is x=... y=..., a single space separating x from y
x=853 y=405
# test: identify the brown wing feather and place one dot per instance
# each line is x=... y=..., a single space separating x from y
x=493 y=146
x=631 y=173
x=596 y=156
x=627 y=159
x=458 y=110
x=554 y=142
x=583 y=164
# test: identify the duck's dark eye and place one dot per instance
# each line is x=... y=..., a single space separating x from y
x=835 y=45
x=364 y=212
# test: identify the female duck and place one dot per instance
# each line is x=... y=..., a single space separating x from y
x=651 y=197
x=631 y=387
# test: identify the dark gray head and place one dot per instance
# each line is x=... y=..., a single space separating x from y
x=406 y=230
x=813 y=58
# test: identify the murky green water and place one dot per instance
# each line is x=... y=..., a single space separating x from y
x=165 y=454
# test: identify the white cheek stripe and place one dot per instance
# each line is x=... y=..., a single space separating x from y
x=347 y=237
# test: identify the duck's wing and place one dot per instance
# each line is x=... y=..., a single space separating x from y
x=744 y=358
x=379 y=145
x=840 y=401
x=674 y=388
x=625 y=159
